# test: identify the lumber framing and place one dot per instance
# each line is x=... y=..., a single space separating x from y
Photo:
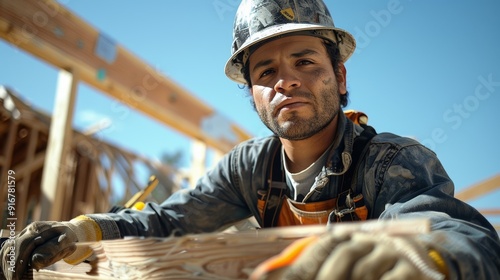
x=479 y=189
x=94 y=168
x=55 y=171
x=54 y=34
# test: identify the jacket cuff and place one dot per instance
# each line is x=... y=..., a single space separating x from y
x=108 y=226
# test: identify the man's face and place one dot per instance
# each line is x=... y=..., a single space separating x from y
x=294 y=88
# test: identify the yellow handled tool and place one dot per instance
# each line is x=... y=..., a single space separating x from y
x=139 y=197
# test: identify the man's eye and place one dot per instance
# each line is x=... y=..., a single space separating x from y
x=266 y=72
x=304 y=62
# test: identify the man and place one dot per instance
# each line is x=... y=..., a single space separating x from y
x=320 y=167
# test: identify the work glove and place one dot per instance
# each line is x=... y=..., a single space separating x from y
x=355 y=256
x=41 y=244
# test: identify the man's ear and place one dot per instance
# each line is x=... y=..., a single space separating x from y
x=341 y=78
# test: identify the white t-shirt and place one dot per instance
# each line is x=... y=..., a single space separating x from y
x=303 y=181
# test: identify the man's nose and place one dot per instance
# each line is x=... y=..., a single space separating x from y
x=287 y=80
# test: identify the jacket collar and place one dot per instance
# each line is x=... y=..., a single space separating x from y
x=339 y=158
x=341 y=151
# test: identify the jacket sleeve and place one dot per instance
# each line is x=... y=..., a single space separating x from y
x=410 y=182
x=211 y=205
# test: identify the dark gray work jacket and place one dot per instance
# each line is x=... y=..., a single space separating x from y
x=398 y=177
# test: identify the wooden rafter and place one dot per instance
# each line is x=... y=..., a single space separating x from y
x=68 y=42
x=23 y=144
x=489 y=212
x=479 y=189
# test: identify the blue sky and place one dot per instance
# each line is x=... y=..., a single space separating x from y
x=428 y=70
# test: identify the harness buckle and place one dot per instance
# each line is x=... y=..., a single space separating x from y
x=343 y=212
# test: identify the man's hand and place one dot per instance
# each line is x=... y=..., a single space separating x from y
x=41 y=244
x=360 y=256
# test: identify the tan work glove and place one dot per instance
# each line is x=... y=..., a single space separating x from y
x=358 y=256
x=41 y=244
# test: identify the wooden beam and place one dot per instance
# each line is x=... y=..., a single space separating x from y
x=23 y=191
x=80 y=183
x=479 y=189
x=198 y=161
x=489 y=212
x=7 y=152
x=54 y=34
x=54 y=171
x=27 y=167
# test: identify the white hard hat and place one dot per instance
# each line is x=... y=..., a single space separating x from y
x=260 y=20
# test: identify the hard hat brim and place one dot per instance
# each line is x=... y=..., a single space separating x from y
x=233 y=67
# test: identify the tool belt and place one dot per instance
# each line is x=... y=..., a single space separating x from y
x=293 y=213
x=297 y=213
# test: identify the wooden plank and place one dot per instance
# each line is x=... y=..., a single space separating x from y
x=489 y=212
x=68 y=185
x=54 y=171
x=95 y=190
x=198 y=161
x=80 y=185
x=8 y=150
x=479 y=189
x=27 y=167
x=109 y=180
x=25 y=184
x=52 y=33
x=94 y=194
x=226 y=255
